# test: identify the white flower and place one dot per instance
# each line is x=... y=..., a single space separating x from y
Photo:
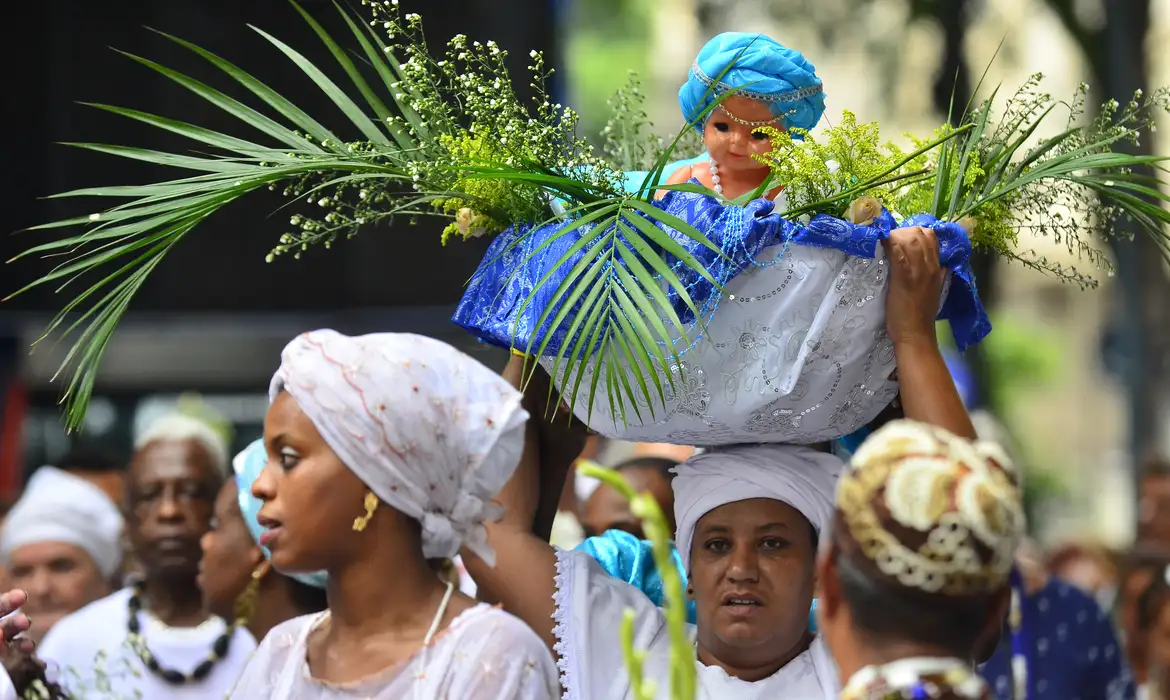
x=533 y=53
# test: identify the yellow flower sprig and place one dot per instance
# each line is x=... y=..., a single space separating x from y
x=682 y=651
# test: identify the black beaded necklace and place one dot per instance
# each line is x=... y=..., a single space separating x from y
x=219 y=648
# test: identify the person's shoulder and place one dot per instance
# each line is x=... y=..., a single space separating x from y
x=102 y=612
x=681 y=175
x=496 y=628
x=1063 y=604
x=89 y=627
x=1065 y=597
x=291 y=629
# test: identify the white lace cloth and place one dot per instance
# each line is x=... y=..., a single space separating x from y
x=796 y=352
x=589 y=606
x=484 y=654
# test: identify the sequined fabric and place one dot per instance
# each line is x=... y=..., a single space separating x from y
x=795 y=349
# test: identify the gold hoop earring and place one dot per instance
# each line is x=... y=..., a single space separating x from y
x=371 y=504
x=246 y=604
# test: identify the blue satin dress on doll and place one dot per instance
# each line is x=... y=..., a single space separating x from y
x=627 y=558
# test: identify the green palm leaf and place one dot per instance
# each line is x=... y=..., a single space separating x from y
x=135 y=235
x=614 y=304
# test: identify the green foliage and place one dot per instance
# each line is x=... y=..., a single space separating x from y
x=995 y=176
x=448 y=136
x=442 y=137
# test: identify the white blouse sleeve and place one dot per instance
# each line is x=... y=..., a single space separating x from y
x=589 y=609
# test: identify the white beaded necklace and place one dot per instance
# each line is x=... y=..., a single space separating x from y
x=715 y=179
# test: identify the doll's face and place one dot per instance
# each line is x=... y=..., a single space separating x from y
x=732 y=143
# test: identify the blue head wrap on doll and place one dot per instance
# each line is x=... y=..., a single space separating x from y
x=247 y=466
x=764 y=70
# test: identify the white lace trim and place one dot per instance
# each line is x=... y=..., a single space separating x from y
x=562 y=613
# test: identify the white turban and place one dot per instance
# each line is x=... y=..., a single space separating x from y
x=799 y=476
x=430 y=431
x=60 y=507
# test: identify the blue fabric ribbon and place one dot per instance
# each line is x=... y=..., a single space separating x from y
x=493 y=307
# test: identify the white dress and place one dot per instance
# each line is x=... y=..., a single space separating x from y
x=484 y=654
x=89 y=654
x=589 y=607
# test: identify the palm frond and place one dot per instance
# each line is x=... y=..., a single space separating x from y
x=618 y=321
x=403 y=153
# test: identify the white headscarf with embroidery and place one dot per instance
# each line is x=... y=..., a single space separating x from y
x=432 y=432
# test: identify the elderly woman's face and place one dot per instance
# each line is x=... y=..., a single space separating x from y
x=731 y=143
x=310 y=497
x=58 y=577
x=229 y=554
x=753 y=577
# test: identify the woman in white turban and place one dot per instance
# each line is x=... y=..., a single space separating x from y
x=386 y=450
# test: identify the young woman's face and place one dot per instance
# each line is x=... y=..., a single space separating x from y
x=230 y=555
x=753 y=574
x=732 y=143
x=310 y=497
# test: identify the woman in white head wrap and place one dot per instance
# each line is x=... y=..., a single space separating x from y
x=748 y=523
x=62 y=544
x=385 y=450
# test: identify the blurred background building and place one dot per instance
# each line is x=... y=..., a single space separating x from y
x=1078 y=377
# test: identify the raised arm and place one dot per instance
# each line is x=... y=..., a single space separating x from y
x=523 y=579
x=927 y=390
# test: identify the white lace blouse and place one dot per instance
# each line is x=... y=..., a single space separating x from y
x=589 y=607
x=484 y=654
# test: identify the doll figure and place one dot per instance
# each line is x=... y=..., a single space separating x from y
x=773 y=86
